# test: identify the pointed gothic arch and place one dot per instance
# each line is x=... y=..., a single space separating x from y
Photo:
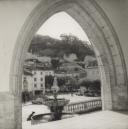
x=100 y=32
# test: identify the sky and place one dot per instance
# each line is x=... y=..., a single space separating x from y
x=62 y=23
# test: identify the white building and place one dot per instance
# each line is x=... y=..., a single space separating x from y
x=92 y=69
x=93 y=73
x=35 y=82
x=70 y=58
x=39 y=79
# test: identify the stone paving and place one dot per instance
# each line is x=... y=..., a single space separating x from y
x=97 y=120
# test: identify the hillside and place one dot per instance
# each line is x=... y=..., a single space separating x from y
x=47 y=46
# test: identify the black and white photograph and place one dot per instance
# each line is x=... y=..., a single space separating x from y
x=64 y=64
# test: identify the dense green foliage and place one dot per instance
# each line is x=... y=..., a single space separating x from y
x=47 y=46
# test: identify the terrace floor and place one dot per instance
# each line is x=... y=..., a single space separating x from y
x=97 y=120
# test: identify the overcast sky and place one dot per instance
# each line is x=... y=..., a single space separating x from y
x=62 y=23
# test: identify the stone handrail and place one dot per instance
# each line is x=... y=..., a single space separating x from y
x=82 y=107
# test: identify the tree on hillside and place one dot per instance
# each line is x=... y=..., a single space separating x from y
x=61 y=81
x=55 y=63
x=49 y=81
x=45 y=45
x=77 y=46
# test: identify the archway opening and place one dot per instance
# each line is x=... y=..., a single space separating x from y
x=61 y=49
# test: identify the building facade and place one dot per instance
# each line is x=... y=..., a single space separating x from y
x=35 y=82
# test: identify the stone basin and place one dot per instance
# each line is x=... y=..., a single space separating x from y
x=56 y=107
x=44 y=118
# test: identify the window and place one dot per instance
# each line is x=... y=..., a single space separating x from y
x=41 y=73
x=41 y=85
x=34 y=79
x=35 y=85
x=41 y=79
x=34 y=72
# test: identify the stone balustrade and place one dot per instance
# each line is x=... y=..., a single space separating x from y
x=82 y=107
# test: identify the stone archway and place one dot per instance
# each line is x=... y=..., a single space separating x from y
x=100 y=32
